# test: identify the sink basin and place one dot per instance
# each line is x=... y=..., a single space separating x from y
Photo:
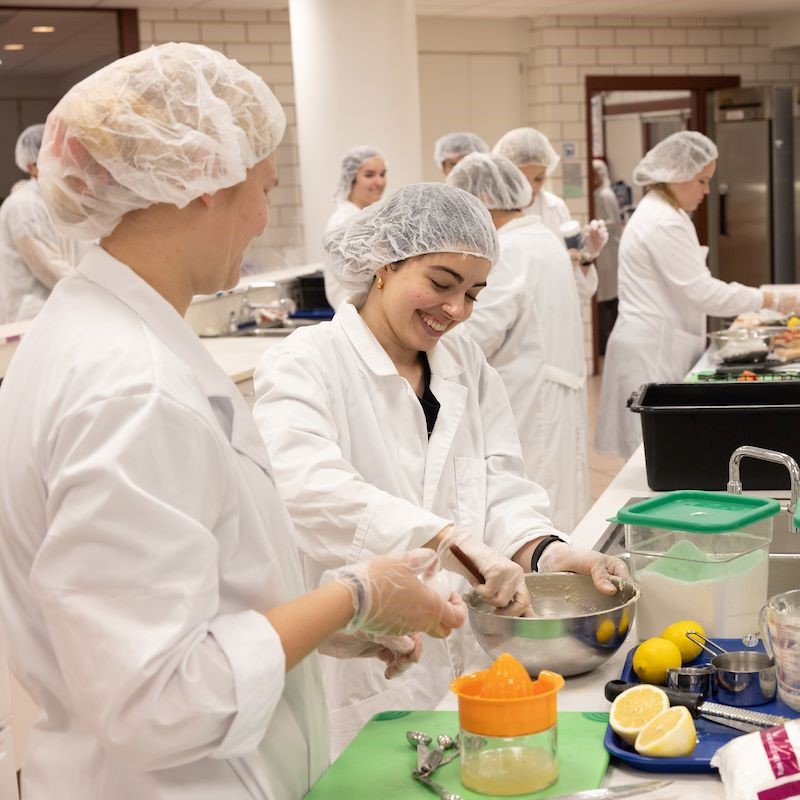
x=784 y=551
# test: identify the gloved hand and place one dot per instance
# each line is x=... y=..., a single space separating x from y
x=782 y=302
x=562 y=557
x=504 y=585
x=389 y=597
x=595 y=236
x=397 y=652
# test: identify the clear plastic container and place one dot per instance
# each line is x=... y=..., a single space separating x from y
x=508 y=728
x=509 y=765
x=702 y=556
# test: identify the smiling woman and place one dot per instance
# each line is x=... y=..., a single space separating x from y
x=387 y=430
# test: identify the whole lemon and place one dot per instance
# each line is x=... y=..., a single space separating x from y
x=653 y=658
x=676 y=633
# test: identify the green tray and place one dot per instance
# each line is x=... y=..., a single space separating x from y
x=378 y=762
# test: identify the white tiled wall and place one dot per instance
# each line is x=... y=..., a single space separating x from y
x=260 y=40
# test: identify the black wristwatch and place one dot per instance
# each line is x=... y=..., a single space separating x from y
x=540 y=548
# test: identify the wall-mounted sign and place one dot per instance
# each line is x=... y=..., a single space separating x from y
x=568 y=149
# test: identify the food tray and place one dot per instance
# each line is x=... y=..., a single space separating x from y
x=710 y=735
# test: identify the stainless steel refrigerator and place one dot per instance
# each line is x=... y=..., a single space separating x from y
x=758 y=183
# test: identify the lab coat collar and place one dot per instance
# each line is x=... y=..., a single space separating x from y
x=442 y=364
x=526 y=221
x=101 y=268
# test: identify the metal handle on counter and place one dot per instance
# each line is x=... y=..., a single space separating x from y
x=691 y=700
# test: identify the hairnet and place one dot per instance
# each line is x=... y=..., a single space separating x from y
x=418 y=219
x=27 y=149
x=456 y=145
x=164 y=125
x=351 y=163
x=494 y=180
x=601 y=170
x=528 y=146
x=676 y=159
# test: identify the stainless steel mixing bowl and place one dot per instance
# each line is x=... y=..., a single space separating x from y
x=574 y=629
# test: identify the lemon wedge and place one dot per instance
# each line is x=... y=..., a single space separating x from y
x=669 y=735
x=634 y=708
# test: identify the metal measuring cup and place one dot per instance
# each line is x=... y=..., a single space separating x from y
x=740 y=677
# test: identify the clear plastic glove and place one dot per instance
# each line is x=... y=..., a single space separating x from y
x=595 y=237
x=562 y=557
x=504 y=585
x=785 y=303
x=389 y=597
x=574 y=256
x=397 y=652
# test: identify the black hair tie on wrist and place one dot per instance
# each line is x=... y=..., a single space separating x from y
x=540 y=548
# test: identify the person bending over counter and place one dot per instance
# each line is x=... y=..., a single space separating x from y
x=387 y=432
x=665 y=288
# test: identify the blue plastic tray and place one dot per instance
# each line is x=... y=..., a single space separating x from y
x=312 y=313
x=710 y=735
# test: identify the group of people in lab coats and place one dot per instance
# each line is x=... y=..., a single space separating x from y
x=169 y=562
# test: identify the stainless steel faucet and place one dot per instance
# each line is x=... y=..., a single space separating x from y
x=735 y=483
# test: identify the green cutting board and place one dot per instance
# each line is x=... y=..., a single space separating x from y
x=379 y=761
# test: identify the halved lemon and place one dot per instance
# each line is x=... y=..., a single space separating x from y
x=634 y=708
x=669 y=735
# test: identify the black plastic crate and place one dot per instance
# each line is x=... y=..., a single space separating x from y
x=311 y=293
x=690 y=431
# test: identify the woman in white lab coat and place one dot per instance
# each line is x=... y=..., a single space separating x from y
x=362 y=180
x=532 y=152
x=34 y=256
x=528 y=324
x=387 y=433
x=452 y=147
x=665 y=287
x=149 y=583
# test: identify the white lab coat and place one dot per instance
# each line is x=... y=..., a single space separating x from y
x=348 y=441
x=606 y=207
x=33 y=255
x=552 y=211
x=665 y=292
x=528 y=323
x=334 y=291
x=141 y=536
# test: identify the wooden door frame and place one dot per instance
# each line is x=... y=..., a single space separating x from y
x=698 y=86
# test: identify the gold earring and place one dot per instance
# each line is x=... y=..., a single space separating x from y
x=380 y=282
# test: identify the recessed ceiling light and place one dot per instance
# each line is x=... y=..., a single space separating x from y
x=15 y=46
x=43 y=29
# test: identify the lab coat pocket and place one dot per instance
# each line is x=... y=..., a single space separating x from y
x=470 y=477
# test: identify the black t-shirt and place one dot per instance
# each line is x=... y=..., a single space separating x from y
x=430 y=405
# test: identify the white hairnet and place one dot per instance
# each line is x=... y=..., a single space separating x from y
x=601 y=171
x=494 y=180
x=676 y=159
x=164 y=125
x=351 y=163
x=456 y=145
x=528 y=146
x=418 y=219
x=27 y=148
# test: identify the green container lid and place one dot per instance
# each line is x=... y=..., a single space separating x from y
x=699 y=512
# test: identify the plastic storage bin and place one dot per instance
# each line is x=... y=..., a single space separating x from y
x=702 y=556
x=690 y=430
